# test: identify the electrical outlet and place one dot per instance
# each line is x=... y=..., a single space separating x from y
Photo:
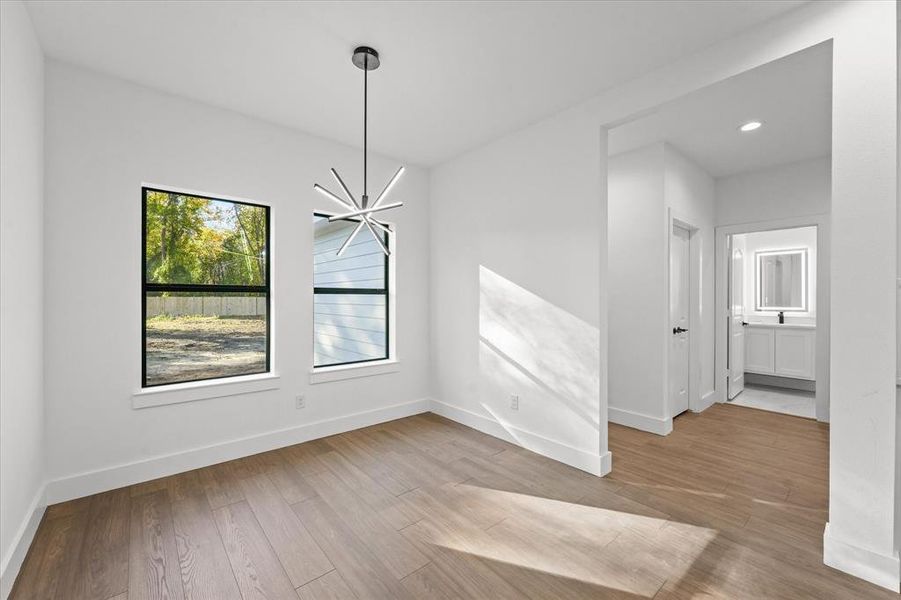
x=514 y=402
x=300 y=402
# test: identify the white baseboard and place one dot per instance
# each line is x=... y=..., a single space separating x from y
x=635 y=420
x=592 y=463
x=92 y=482
x=706 y=401
x=15 y=556
x=792 y=383
x=876 y=568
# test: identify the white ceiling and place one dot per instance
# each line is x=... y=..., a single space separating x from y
x=454 y=75
x=792 y=97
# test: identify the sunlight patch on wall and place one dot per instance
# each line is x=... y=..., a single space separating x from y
x=543 y=354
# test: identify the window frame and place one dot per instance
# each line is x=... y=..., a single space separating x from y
x=200 y=287
x=385 y=292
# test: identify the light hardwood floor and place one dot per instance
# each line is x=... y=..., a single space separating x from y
x=731 y=505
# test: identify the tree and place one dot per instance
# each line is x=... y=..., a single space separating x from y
x=196 y=240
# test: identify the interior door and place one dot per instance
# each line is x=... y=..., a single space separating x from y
x=680 y=300
x=736 y=323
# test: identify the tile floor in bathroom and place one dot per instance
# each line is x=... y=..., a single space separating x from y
x=782 y=400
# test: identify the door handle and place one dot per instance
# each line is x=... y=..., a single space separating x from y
x=744 y=323
x=678 y=330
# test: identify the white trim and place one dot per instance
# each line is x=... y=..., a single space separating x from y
x=823 y=266
x=204 y=390
x=340 y=372
x=876 y=568
x=658 y=425
x=15 y=556
x=101 y=480
x=595 y=464
x=210 y=195
x=142 y=398
x=695 y=248
x=393 y=355
x=706 y=401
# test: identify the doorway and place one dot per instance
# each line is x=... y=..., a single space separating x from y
x=680 y=308
x=773 y=286
x=684 y=292
x=735 y=352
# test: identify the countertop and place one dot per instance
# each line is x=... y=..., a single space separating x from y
x=782 y=325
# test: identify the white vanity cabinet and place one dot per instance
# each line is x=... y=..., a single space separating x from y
x=782 y=350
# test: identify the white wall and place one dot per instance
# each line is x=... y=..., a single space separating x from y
x=638 y=304
x=690 y=196
x=780 y=239
x=538 y=169
x=796 y=189
x=794 y=194
x=104 y=138
x=515 y=263
x=21 y=289
x=861 y=531
x=646 y=188
x=101 y=144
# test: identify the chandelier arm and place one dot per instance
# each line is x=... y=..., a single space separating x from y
x=376 y=237
x=350 y=238
x=334 y=197
x=364 y=211
x=380 y=225
x=389 y=185
x=344 y=187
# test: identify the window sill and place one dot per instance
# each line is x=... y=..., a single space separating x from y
x=341 y=372
x=204 y=390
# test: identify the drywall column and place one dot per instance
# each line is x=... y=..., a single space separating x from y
x=21 y=287
x=603 y=300
x=637 y=296
x=860 y=536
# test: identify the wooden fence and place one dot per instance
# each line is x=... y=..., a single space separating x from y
x=232 y=306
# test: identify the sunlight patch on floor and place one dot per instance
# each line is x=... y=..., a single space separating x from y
x=613 y=549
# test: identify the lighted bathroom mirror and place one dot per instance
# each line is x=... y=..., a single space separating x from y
x=782 y=280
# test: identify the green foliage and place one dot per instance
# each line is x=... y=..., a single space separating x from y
x=195 y=240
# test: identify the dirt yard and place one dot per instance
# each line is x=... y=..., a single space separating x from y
x=190 y=348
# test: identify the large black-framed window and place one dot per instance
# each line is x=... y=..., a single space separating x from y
x=351 y=307
x=206 y=300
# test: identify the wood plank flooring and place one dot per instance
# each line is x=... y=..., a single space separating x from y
x=731 y=505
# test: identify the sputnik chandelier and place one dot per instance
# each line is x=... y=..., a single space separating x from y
x=367 y=59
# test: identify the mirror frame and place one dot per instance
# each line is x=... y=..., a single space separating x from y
x=758 y=284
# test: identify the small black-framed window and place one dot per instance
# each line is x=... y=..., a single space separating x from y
x=351 y=305
x=205 y=295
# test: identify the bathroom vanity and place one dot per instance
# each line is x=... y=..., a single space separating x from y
x=783 y=350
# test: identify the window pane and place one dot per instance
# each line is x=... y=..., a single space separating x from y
x=361 y=266
x=194 y=336
x=348 y=328
x=201 y=241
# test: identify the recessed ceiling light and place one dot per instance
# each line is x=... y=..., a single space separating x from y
x=751 y=126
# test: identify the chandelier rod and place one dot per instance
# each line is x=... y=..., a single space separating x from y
x=365 y=123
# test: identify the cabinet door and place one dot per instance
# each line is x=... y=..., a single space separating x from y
x=796 y=353
x=760 y=355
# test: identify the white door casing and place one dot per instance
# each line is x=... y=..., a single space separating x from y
x=736 y=327
x=680 y=305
